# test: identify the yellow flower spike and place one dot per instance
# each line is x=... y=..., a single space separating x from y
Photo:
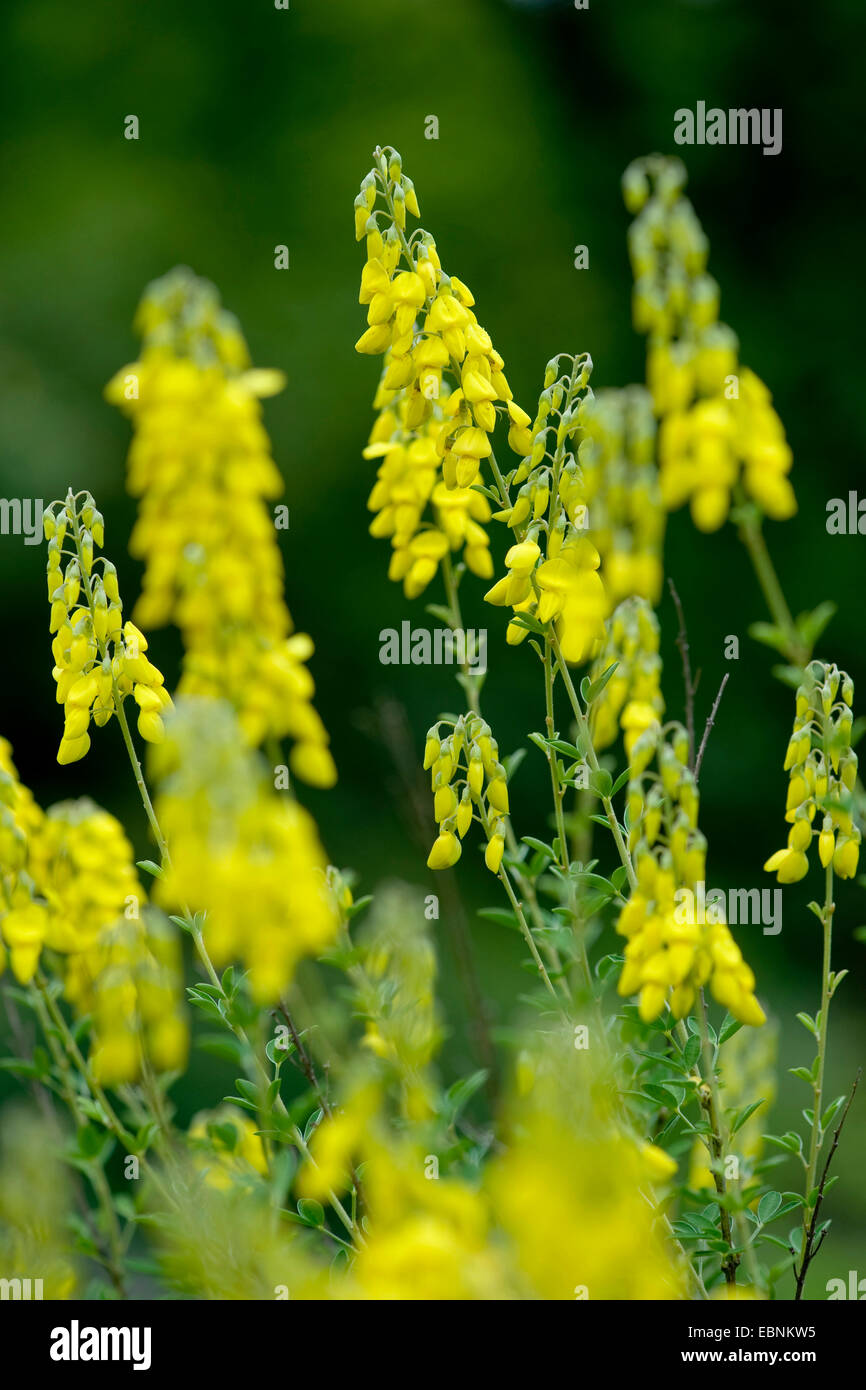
x=200 y=464
x=828 y=726
x=442 y=389
x=667 y=960
x=709 y=441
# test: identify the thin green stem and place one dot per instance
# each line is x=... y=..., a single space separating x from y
x=752 y=537
x=817 y=1136
x=592 y=760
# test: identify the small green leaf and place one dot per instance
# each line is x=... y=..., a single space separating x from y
x=601 y=783
x=769 y=1206
x=769 y=635
x=538 y=845
x=147 y=866
x=728 y=1029
x=811 y=625
x=593 y=691
x=692 y=1051
x=311 y=1212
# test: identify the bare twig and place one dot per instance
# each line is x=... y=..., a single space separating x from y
x=305 y=1060
x=710 y=722
x=683 y=644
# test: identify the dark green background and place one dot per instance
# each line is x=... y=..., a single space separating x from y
x=256 y=126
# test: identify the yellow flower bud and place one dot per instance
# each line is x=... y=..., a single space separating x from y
x=445 y=852
x=493 y=853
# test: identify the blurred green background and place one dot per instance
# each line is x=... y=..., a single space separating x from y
x=256 y=126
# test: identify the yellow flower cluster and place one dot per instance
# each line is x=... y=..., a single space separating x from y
x=626 y=516
x=123 y=967
x=559 y=1212
x=632 y=698
x=201 y=464
x=466 y=758
x=428 y=1235
x=68 y=884
x=676 y=945
x=441 y=392
x=429 y=1240
x=247 y=855
x=98 y=659
x=560 y=584
x=23 y=921
x=823 y=774
x=573 y=1207
x=719 y=431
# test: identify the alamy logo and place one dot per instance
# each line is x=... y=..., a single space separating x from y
x=23 y=1289
x=417 y=646
x=22 y=516
x=75 y=1343
x=739 y=906
x=737 y=126
x=855 y=1288
x=846 y=519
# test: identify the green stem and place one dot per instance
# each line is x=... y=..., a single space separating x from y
x=752 y=537
x=591 y=758
x=816 y=1138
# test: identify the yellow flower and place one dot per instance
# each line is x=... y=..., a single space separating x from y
x=246 y=853
x=441 y=394
x=200 y=462
x=445 y=852
x=632 y=697
x=672 y=953
x=98 y=660
x=718 y=427
x=465 y=771
x=821 y=764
